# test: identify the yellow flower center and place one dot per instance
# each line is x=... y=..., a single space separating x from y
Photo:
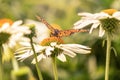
x=2 y=21
x=109 y=11
x=47 y=41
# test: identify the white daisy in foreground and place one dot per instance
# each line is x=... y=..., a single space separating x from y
x=107 y=21
x=10 y=35
x=52 y=47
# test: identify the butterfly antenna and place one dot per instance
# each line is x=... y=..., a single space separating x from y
x=41 y=19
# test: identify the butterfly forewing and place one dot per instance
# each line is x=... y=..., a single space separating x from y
x=46 y=23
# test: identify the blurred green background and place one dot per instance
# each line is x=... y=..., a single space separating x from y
x=64 y=13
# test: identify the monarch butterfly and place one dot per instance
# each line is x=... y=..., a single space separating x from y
x=60 y=33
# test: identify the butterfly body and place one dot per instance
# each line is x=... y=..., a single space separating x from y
x=55 y=33
x=60 y=33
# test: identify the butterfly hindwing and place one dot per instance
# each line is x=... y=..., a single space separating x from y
x=64 y=33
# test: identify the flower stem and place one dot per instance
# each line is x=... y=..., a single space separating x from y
x=15 y=64
x=55 y=68
x=36 y=65
x=1 y=67
x=108 y=57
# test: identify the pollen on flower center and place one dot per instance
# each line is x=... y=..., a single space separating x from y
x=109 y=11
x=2 y=21
x=47 y=41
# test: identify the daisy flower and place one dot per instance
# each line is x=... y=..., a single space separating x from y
x=107 y=20
x=47 y=46
x=10 y=34
x=51 y=47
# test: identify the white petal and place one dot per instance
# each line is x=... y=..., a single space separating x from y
x=81 y=51
x=22 y=50
x=82 y=23
x=67 y=52
x=39 y=58
x=101 y=15
x=5 y=26
x=25 y=43
x=12 y=44
x=101 y=32
x=117 y=15
x=16 y=23
x=23 y=56
x=91 y=29
x=24 y=39
x=85 y=14
x=14 y=39
x=27 y=46
x=77 y=48
x=48 y=51
x=61 y=57
x=95 y=25
x=53 y=43
x=21 y=29
x=39 y=48
x=74 y=45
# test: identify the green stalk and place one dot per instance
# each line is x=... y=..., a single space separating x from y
x=108 y=57
x=1 y=67
x=36 y=65
x=15 y=64
x=55 y=68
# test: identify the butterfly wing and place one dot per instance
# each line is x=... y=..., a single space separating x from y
x=64 y=33
x=46 y=23
x=60 y=33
